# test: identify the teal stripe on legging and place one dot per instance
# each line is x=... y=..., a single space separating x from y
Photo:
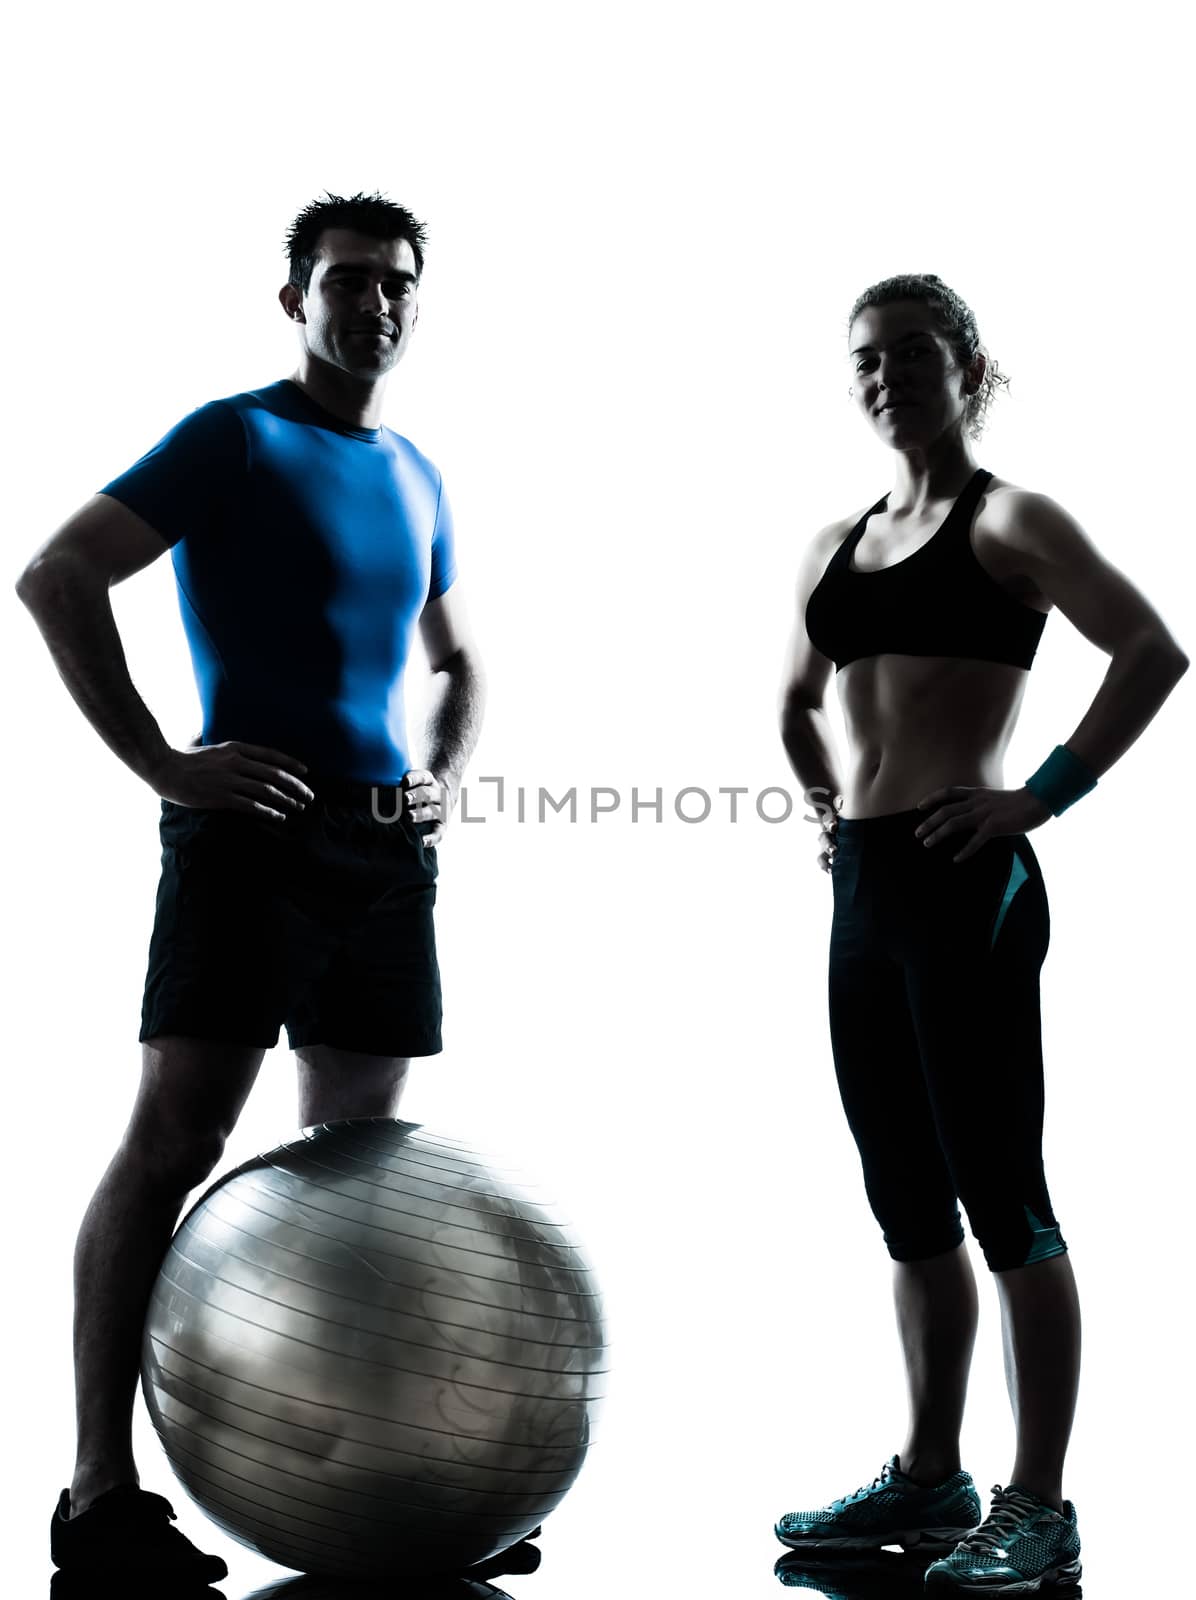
x=1017 y=876
x=1048 y=1242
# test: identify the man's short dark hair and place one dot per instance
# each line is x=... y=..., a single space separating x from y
x=371 y=214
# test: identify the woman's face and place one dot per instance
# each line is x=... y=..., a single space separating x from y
x=903 y=375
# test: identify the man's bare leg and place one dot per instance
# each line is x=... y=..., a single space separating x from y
x=189 y=1099
x=937 y=1315
x=1040 y=1317
x=335 y=1084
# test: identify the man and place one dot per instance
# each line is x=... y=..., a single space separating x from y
x=299 y=861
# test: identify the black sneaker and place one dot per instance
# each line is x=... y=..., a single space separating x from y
x=126 y=1533
x=892 y=1509
x=519 y=1559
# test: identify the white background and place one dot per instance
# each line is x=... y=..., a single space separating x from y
x=647 y=227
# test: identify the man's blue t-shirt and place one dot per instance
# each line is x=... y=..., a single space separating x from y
x=304 y=550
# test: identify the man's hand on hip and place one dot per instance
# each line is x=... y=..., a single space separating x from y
x=427 y=799
x=233 y=777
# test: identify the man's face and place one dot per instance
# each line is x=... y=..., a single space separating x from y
x=361 y=307
x=903 y=374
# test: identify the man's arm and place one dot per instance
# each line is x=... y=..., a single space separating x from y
x=65 y=586
x=455 y=718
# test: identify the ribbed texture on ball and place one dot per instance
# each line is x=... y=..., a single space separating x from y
x=371 y=1352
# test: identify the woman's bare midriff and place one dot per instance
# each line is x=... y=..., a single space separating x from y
x=918 y=723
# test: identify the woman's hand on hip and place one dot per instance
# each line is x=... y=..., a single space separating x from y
x=956 y=811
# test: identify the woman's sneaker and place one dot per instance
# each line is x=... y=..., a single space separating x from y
x=127 y=1533
x=1021 y=1544
x=892 y=1509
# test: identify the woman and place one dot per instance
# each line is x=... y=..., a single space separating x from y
x=928 y=608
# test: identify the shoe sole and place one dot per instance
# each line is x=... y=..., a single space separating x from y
x=1069 y=1572
x=908 y=1538
x=71 y=1584
x=102 y=1573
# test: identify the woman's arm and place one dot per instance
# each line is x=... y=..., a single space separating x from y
x=1110 y=612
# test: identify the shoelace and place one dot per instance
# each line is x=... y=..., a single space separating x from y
x=867 y=1488
x=166 y=1506
x=1009 y=1507
x=147 y=1505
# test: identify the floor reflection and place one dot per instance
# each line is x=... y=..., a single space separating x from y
x=72 y=1586
x=879 y=1575
x=855 y=1575
x=412 y=1589
x=522 y=1557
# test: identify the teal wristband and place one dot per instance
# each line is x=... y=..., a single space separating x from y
x=1061 y=780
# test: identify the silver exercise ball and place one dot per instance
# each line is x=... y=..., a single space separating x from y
x=370 y=1353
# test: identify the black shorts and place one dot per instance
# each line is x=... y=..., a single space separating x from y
x=322 y=921
x=934 y=1013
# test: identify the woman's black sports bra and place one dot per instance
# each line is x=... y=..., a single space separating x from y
x=939 y=601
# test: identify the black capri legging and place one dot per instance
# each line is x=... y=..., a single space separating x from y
x=935 y=1029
